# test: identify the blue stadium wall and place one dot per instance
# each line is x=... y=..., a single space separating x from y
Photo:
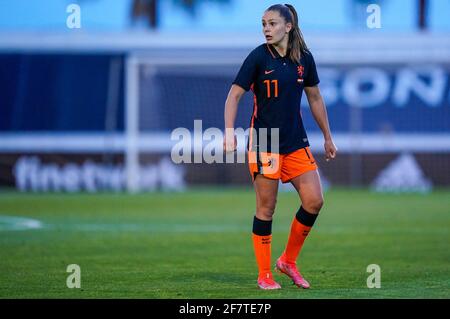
x=68 y=93
x=58 y=92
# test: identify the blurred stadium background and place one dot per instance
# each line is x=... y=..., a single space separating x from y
x=90 y=108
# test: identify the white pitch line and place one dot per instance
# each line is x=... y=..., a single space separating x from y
x=13 y=223
x=153 y=228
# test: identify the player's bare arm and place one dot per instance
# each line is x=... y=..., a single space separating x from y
x=231 y=106
x=319 y=112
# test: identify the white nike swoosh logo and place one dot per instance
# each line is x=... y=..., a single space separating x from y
x=268 y=72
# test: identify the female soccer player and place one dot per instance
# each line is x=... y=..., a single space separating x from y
x=277 y=72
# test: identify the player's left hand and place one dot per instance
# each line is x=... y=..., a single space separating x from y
x=330 y=150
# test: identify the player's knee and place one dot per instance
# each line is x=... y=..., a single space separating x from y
x=313 y=205
x=267 y=207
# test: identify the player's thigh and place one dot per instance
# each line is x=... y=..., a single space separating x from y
x=266 y=190
x=309 y=188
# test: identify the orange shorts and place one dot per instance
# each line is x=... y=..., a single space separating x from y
x=284 y=166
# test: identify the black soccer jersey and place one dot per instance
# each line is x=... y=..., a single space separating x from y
x=277 y=84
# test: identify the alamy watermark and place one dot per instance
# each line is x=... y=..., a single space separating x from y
x=374 y=19
x=74 y=279
x=207 y=146
x=374 y=279
x=73 y=21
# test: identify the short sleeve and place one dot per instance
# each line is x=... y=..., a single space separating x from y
x=248 y=71
x=312 y=77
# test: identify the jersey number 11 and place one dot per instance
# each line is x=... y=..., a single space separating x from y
x=275 y=85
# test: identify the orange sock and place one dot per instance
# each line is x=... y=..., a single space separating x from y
x=300 y=228
x=262 y=246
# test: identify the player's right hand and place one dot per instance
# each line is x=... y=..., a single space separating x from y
x=229 y=143
x=330 y=150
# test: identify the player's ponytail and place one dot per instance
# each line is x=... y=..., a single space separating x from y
x=296 y=45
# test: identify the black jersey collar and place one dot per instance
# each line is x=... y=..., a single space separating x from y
x=275 y=53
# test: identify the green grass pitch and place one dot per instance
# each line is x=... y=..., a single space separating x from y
x=197 y=244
